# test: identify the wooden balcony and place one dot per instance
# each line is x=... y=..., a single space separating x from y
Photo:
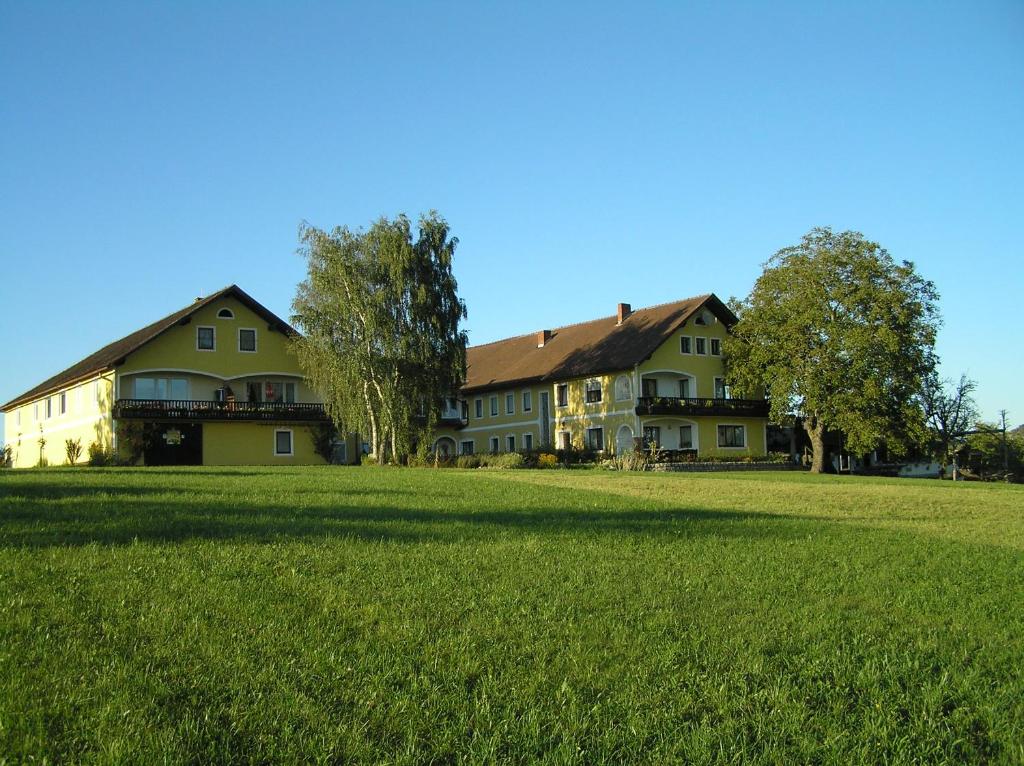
x=185 y=409
x=696 y=405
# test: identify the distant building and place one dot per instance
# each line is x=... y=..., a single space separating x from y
x=636 y=378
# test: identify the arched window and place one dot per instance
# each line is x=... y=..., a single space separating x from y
x=623 y=388
x=225 y=314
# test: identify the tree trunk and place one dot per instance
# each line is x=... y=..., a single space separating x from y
x=373 y=420
x=816 y=431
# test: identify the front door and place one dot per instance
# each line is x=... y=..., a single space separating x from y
x=174 y=444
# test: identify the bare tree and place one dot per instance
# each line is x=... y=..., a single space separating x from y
x=950 y=411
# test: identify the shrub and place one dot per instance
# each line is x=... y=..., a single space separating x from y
x=99 y=455
x=324 y=436
x=467 y=461
x=547 y=460
x=6 y=456
x=72 y=450
x=366 y=459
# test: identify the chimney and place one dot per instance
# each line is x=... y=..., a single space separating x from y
x=543 y=337
x=624 y=311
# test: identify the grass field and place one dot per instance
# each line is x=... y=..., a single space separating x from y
x=414 y=616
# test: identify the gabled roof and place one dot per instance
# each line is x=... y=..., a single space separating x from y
x=589 y=348
x=112 y=354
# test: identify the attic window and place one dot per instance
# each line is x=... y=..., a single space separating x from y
x=699 y=319
x=225 y=314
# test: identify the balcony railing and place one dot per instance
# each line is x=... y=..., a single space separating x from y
x=187 y=409
x=697 y=405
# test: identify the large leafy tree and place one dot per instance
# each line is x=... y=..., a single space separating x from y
x=380 y=316
x=840 y=335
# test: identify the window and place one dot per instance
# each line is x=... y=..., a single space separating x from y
x=595 y=438
x=649 y=387
x=721 y=390
x=527 y=401
x=593 y=391
x=161 y=388
x=702 y=345
x=510 y=404
x=17 y=417
x=716 y=347
x=283 y=442
x=562 y=395
x=467 y=447
x=510 y=443
x=652 y=435
x=527 y=442
x=702 y=318
x=206 y=339
x=732 y=436
x=685 y=344
x=35 y=411
x=277 y=391
x=494 y=444
x=623 y=389
x=247 y=340
x=564 y=441
x=685 y=437
x=96 y=390
x=684 y=388
x=225 y=314
x=62 y=400
x=479 y=408
x=49 y=407
x=494 y=406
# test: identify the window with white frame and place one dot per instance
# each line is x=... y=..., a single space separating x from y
x=527 y=401
x=510 y=443
x=701 y=344
x=623 y=388
x=225 y=314
x=527 y=442
x=62 y=403
x=595 y=438
x=49 y=407
x=494 y=406
x=593 y=391
x=510 y=404
x=206 y=338
x=716 y=347
x=564 y=440
x=478 y=408
x=562 y=395
x=17 y=417
x=685 y=437
x=35 y=411
x=685 y=390
x=685 y=344
x=161 y=388
x=467 y=447
x=732 y=436
x=494 y=443
x=247 y=340
x=283 y=442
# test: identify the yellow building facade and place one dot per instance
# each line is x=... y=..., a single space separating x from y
x=635 y=379
x=211 y=384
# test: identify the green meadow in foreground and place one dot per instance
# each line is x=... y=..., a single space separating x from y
x=413 y=616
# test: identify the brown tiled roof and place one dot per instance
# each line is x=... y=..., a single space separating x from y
x=588 y=348
x=108 y=356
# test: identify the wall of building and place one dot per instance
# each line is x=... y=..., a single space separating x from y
x=253 y=444
x=86 y=418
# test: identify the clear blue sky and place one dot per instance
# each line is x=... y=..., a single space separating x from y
x=153 y=152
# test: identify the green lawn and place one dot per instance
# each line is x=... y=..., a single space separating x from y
x=413 y=616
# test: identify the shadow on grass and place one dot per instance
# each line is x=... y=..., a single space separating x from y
x=37 y=512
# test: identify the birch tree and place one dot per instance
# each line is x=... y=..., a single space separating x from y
x=380 y=317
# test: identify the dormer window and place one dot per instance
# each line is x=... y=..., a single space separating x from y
x=225 y=314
